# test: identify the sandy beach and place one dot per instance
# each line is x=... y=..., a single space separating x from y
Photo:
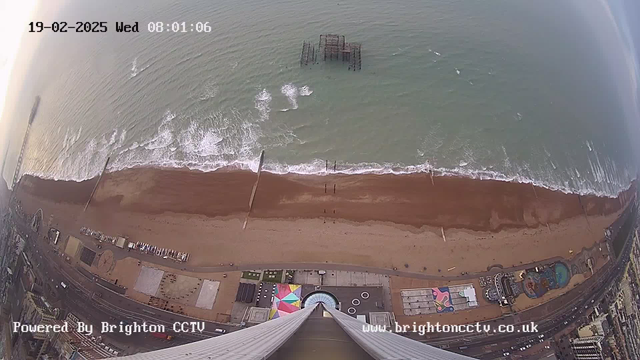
x=383 y=221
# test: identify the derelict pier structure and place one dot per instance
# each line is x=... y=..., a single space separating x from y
x=332 y=47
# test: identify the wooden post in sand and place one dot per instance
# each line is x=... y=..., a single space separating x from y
x=585 y=212
x=534 y=191
x=443 y=237
x=253 y=191
x=255 y=186
x=96 y=187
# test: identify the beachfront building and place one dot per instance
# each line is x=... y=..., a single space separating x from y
x=320 y=330
x=587 y=348
x=501 y=288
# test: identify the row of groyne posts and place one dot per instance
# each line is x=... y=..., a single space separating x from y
x=332 y=47
x=327 y=169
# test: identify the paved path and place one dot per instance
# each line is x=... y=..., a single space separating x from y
x=120 y=254
x=110 y=306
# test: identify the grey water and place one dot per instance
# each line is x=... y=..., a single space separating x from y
x=513 y=90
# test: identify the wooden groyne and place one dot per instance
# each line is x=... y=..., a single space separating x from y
x=253 y=191
x=104 y=169
x=255 y=186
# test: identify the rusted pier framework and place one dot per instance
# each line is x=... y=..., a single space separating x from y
x=333 y=47
x=308 y=55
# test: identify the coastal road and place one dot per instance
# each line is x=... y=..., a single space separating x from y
x=119 y=306
x=98 y=303
x=555 y=315
x=78 y=299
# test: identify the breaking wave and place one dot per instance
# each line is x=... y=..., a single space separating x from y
x=262 y=102
x=291 y=92
x=232 y=138
x=305 y=91
x=222 y=140
x=134 y=68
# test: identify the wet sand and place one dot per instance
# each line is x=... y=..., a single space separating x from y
x=400 y=199
x=383 y=221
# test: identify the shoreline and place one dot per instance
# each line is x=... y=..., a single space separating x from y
x=406 y=200
x=320 y=168
x=381 y=221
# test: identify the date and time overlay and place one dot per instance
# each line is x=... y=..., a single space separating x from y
x=119 y=27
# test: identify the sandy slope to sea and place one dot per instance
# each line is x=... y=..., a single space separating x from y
x=382 y=221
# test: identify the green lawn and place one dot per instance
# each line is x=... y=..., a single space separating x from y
x=272 y=276
x=251 y=275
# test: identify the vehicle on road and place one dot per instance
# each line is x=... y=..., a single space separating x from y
x=162 y=336
x=64 y=286
x=220 y=331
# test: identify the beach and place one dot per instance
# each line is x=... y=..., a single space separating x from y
x=381 y=221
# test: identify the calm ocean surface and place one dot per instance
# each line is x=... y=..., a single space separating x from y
x=503 y=89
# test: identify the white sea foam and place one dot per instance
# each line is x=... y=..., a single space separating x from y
x=262 y=102
x=168 y=116
x=163 y=139
x=507 y=161
x=608 y=180
x=200 y=140
x=211 y=90
x=134 y=68
x=231 y=138
x=305 y=91
x=291 y=92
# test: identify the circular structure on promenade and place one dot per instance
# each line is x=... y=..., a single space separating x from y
x=351 y=311
x=364 y=295
x=320 y=297
x=106 y=261
x=355 y=302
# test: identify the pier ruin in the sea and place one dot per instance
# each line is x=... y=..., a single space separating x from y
x=17 y=172
x=332 y=47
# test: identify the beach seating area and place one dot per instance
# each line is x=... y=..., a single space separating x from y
x=162 y=252
x=98 y=235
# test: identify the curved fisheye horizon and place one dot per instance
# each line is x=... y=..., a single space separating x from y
x=347 y=180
